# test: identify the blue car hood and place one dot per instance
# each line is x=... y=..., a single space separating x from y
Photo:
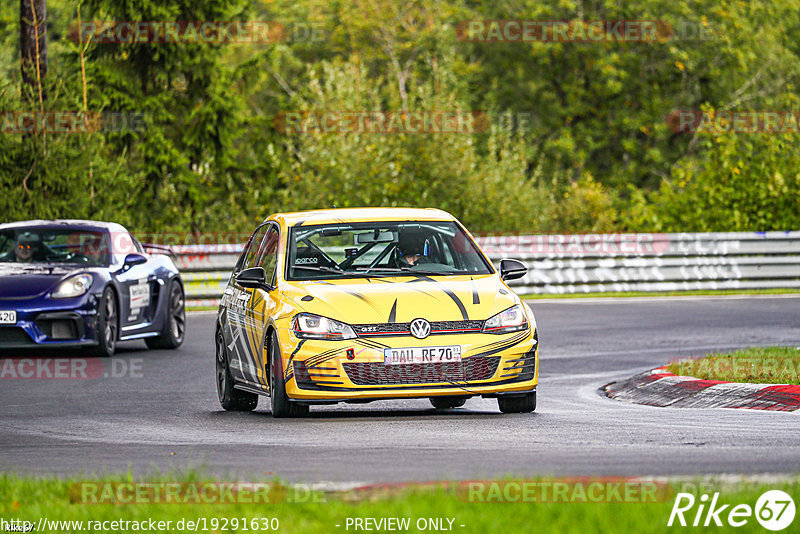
x=21 y=280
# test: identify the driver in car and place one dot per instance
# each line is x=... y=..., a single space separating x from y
x=95 y=250
x=411 y=249
x=26 y=247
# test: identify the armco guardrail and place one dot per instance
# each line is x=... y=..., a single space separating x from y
x=592 y=263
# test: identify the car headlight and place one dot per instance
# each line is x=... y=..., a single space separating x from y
x=74 y=286
x=510 y=320
x=310 y=326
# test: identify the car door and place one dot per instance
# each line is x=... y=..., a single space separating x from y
x=238 y=326
x=137 y=284
x=263 y=302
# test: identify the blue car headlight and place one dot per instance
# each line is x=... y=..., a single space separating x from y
x=74 y=286
x=511 y=320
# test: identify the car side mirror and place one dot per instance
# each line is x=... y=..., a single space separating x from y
x=253 y=278
x=134 y=259
x=512 y=269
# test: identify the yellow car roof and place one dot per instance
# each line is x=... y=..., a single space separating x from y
x=361 y=215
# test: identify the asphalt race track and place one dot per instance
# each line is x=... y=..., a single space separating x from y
x=162 y=413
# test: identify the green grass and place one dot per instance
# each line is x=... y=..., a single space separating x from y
x=760 y=365
x=694 y=292
x=30 y=499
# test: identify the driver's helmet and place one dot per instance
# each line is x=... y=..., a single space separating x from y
x=411 y=242
x=28 y=243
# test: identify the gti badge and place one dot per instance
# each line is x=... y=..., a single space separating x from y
x=420 y=328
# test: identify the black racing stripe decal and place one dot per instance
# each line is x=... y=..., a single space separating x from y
x=393 y=313
x=250 y=334
x=491 y=345
x=476 y=299
x=327 y=359
x=310 y=362
x=501 y=342
x=289 y=368
x=512 y=342
x=238 y=342
x=354 y=294
x=314 y=360
x=450 y=294
x=384 y=280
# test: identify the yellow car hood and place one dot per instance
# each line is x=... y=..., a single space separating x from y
x=403 y=299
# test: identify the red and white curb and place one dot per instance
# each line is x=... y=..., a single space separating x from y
x=661 y=388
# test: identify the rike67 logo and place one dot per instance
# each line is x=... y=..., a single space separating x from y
x=774 y=510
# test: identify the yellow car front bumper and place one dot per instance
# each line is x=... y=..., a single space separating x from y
x=354 y=370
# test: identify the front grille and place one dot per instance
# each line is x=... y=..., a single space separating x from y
x=378 y=373
x=13 y=335
x=402 y=329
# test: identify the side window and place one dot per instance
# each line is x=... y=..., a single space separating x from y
x=268 y=255
x=249 y=255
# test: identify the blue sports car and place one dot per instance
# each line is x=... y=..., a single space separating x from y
x=87 y=284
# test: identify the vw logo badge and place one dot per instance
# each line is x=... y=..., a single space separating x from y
x=420 y=328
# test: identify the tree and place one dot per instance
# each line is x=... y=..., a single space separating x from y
x=33 y=48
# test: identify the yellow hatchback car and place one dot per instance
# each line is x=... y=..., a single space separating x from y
x=357 y=305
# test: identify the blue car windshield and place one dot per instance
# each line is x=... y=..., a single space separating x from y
x=54 y=245
x=370 y=249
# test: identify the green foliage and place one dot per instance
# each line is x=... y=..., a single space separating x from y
x=742 y=183
x=584 y=144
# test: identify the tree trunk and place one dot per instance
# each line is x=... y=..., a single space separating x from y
x=33 y=47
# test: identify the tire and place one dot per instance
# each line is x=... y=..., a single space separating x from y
x=231 y=399
x=174 y=331
x=107 y=325
x=520 y=404
x=446 y=403
x=281 y=405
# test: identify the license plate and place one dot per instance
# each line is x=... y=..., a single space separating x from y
x=8 y=317
x=445 y=354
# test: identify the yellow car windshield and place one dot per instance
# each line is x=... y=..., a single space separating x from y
x=349 y=250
